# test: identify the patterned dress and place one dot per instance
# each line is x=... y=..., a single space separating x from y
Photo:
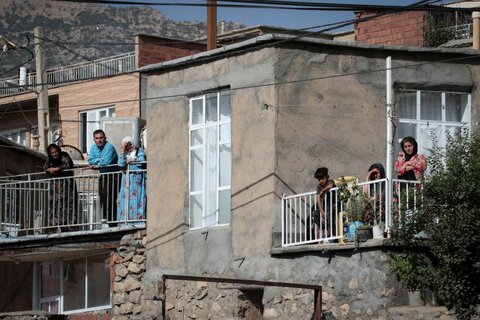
x=419 y=163
x=63 y=194
x=132 y=199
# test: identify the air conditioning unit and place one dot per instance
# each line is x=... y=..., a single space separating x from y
x=116 y=128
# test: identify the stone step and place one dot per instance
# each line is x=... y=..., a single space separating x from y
x=423 y=312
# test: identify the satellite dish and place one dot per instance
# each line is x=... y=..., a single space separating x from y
x=73 y=152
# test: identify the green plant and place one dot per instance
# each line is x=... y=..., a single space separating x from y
x=354 y=200
x=439 y=28
x=448 y=261
x=413 y=269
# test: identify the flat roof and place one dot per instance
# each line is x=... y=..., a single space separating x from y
x=273 y=38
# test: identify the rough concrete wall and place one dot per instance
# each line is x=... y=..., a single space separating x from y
x=335 y=121
x=475 y=97
x=280 y=135
x=16 y=283
x=210 y=250
x=339 y=120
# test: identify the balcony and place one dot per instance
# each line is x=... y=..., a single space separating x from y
x=74 y=73
x=394 y=200
x=35 y=205
x=461 y=31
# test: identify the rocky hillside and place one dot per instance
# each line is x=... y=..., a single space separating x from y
x=78 y=32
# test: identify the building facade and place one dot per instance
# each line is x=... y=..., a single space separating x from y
x=253 y=122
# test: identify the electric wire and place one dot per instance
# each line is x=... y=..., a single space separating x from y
x=187 y=94
x=285 y=5
x=330 y=26
x=335 y=25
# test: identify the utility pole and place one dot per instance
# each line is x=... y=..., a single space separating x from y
x=476 y=29
x=42 y=91
x=211 y=24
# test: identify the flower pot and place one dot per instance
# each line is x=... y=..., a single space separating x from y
x=364 y=233
x=415 y=298
x=352 y=229
x=378 y=230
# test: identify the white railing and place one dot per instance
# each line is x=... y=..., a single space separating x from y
x=460 y=31
x=31 y=205
x=383 y=201
x=78 y=72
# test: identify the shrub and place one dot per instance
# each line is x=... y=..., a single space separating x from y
x=448 y=261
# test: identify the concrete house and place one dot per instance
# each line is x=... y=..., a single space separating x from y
x=238 y=127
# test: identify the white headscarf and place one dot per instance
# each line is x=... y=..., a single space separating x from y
x=132 y=156
x=128 y=139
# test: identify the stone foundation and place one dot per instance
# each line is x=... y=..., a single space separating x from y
x=129 y=267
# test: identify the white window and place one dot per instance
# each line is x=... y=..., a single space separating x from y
x=210 y=160
x=76 y=285
x=19 y=136
x=422 y=114
x=89 y=122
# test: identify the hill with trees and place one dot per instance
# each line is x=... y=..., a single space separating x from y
x=77 y=32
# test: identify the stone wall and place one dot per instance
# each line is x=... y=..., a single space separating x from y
x=206 y=300
x=128 y=300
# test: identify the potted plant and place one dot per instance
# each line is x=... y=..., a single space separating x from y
x=354 y=203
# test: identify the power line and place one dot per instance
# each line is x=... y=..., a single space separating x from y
x=327 y=27
x=281 y=5
x=330 y=25
x=104 y=103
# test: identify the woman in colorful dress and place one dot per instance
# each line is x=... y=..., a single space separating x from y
x=410 y=165
x=132 y=199
x=63 y=191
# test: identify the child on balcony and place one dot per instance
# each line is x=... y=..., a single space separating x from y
x=324 y=203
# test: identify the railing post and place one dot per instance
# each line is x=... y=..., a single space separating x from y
x=283 y=219
x=317 y=308
x=127 y=193
x=389 y=204
x=164 y=294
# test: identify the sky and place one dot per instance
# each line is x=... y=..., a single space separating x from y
x=294 y=19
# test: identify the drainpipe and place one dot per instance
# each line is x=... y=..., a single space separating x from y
x=211 y=24
x=389 y=160
x=476 y=29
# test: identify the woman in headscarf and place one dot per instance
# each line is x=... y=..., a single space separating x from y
x=132 y=198
x=375 y=210
x=410 y=165
x=63 y=191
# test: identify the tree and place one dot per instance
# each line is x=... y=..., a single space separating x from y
x=448 y=260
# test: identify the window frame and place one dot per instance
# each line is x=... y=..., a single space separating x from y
x=220 y=142
x=38 y=300
x=86 y=141
x=442 y=124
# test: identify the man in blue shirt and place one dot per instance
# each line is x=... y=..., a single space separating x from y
x=104 y=157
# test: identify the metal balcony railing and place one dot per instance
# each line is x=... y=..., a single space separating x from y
x=385 y=200
x=34 y=205
x=460 y=31
x=78 y=72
